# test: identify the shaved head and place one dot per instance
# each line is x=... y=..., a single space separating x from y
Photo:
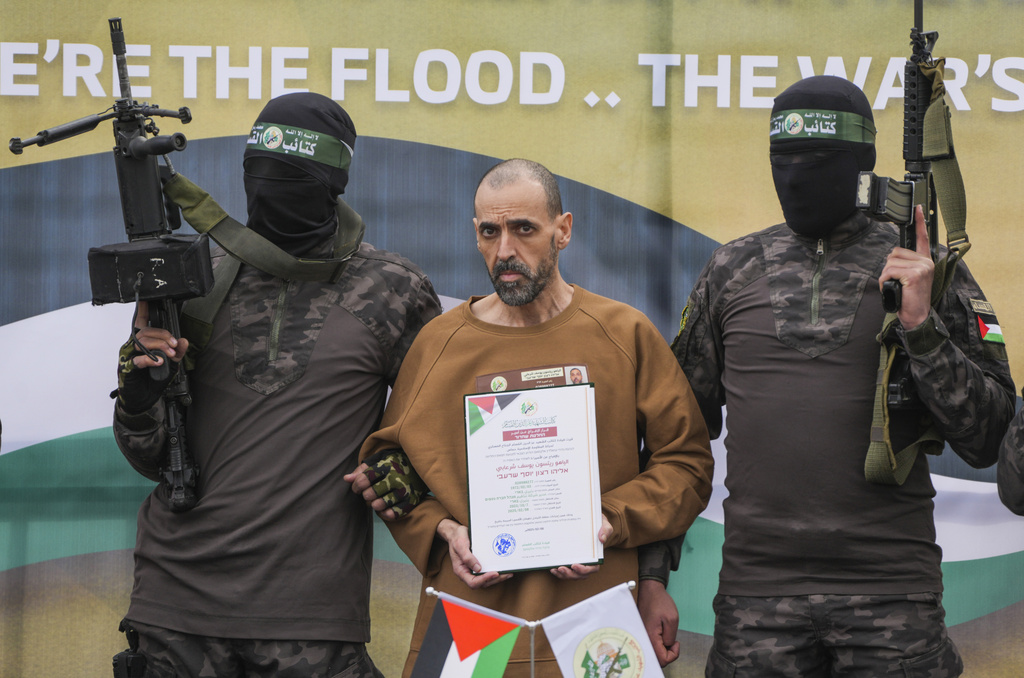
x=516 y=169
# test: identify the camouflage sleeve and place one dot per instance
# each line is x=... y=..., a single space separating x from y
x=698 y=349
x=658 y=559
x=1010 y=472
x=142 y=439
x=421 y=308
x=961 y=375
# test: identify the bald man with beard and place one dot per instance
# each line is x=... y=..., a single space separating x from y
x=536 y=319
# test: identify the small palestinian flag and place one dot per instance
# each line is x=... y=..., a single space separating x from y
x=990 y=331
x=465 y=640
x=987 y=322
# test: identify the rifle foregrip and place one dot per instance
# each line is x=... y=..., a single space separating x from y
x=140 y=147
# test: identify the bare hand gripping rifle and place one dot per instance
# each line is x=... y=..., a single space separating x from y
x=154 y=265
x=927 y=139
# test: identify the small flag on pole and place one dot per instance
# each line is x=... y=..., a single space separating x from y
x=465 y=640
x=602 y=637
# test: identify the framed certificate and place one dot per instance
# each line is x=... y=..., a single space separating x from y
x=534 y=486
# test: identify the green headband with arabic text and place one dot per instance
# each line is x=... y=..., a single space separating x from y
x=300 y=143
x=804 y=124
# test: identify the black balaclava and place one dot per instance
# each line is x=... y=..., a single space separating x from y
x=822 y=135
x=296 y=164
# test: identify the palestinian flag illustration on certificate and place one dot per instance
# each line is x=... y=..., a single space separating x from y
x=482 y=409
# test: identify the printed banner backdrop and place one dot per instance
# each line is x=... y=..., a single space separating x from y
x=654 y=117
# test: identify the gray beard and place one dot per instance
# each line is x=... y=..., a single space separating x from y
x=524 y=291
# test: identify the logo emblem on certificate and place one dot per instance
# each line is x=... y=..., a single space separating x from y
x=504 y=544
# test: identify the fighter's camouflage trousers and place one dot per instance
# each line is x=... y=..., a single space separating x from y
x=824 y=636
x=171 y=654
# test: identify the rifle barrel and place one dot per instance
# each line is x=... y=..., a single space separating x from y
x=119 y=49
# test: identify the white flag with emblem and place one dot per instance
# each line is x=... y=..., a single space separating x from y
x=602 y=636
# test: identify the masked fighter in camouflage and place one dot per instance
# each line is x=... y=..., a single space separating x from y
x=825 y=573
x=269 y=573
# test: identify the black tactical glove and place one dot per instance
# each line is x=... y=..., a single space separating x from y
x=395 y=480
x=137 y=390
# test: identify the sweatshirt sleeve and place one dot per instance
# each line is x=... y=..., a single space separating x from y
x=663 y=500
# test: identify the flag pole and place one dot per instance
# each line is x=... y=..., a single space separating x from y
x=533 y=631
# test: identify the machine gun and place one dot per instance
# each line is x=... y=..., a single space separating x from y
x=154 y=265
x=890 y=200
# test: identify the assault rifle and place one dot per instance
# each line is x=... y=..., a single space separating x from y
x=154 y=265
x=890 y=200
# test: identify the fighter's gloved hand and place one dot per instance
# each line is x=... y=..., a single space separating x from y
x=137 y=390
x=394 y=480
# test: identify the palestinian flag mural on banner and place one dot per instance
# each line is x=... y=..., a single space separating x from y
x=466 y=640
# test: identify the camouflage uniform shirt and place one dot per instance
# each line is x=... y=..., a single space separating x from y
x=293 y=379
x=1010 y=476
x=782 y=330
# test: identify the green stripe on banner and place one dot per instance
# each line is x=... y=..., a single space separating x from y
x=384 y=546
x=975 y=588
x=694 y=586
x=77 y=495
x=67 y=497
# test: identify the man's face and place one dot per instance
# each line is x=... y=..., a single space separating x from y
x=519 y=239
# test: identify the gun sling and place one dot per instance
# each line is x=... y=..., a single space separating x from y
x=882 y=465
x=246 y=246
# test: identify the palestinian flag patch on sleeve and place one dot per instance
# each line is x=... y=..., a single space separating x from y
x=987 y=323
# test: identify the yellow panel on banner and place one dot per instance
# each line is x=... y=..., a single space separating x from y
x=661 y=103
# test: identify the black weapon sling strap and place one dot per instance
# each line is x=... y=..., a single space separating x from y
x=246 y=246
x=882 y=465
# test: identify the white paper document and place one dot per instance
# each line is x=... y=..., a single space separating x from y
x=534 y=488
